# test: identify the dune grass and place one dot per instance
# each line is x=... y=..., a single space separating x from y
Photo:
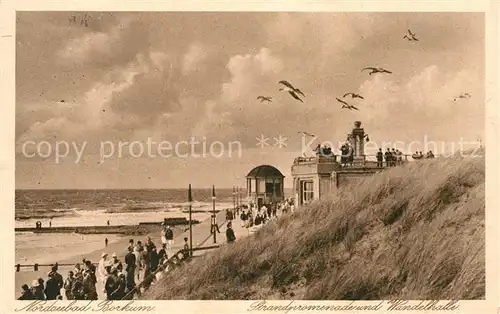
x=412 y=232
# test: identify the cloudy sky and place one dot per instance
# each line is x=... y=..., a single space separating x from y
x=173 y=77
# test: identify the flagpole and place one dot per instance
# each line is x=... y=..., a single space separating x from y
x=214 y=226
x=190 y=200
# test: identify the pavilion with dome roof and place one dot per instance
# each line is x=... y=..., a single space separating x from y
x=265 y=184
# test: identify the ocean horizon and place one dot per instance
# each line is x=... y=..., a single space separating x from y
x=31 y=201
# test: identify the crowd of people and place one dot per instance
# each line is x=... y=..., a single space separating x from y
x=251 y=215
x=117 y=277
x=392 y=157
x=419 y=155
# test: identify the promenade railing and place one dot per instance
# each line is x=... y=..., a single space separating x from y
x=363 y=160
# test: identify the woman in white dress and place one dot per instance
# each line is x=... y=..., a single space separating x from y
x=101 y=269
x=163 y=232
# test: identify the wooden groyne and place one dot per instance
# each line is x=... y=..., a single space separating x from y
x=140 y=229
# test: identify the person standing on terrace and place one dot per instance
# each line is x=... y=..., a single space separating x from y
x=380 y=158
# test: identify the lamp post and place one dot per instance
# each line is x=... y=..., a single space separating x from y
x=190 y=201
x=237 y=199
x=234 y=198
x=214 y=219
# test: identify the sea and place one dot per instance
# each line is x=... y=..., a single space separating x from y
x=97 y=207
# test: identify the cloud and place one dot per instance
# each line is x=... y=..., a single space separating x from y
x=248 y=71
x=94 y=43
x=89 y=115
x=171 y=76
x=79 y=48
x=423 y=104
x=195 y=54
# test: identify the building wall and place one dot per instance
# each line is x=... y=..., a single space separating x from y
x=305 y=169
x=325 y=185
x=344 y=178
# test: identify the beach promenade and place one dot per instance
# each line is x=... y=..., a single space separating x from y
x=201 y=236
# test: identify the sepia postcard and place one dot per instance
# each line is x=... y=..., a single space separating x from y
x=289 y=157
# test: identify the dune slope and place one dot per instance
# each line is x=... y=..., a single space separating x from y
x=412 y=232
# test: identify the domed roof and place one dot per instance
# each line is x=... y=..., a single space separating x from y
x=265 y=171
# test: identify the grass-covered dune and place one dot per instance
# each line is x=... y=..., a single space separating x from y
x=412 y=232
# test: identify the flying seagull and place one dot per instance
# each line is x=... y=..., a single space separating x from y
x=295 y=96
x=353 y=95
x=295 y=92
x=263 y=98
x=346 y=105
x=306 y=134
x=410 y=36
x=376 y=70
x=463 y=96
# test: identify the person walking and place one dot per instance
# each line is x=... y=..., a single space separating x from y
x=163 y=233
x=122 y=286
x=153 y=258
x=78 y=269
x=115 y=262
x=162 y=254
x=169 y=236
x=130 y=262
x=37 y=289
x=68 y=285
x=77 y=290
x=52 y=289
x=112 y=284
x=186 y=251
x=102 y=274
x=58 y=277
x=150 y=244
x=89 y=285
x=243 y=218
x=230 y=234
x=26 y=294
x=106 y=242
x=138 y=264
